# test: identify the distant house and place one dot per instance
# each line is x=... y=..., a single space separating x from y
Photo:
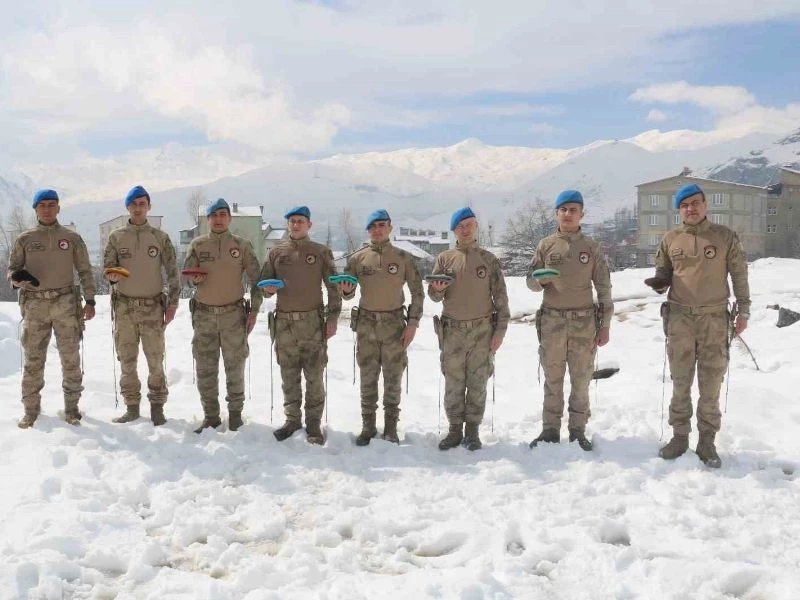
x=431 y=241
x=272 y=236
x=246 y=222
x=106 y=227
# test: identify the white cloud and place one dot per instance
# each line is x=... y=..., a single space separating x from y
x=656 y=116
x=542 y=128
x=736 y=111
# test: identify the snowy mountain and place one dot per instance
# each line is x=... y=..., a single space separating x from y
x=760 y=166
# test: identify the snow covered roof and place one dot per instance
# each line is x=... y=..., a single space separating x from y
x=693 y=178
x=241 y=211
x=275 y=234
x=795 y=171
x=413 y=250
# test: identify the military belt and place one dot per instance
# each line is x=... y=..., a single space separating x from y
x=49 y=294
x=698 y=310
x=468 y=324
x=569 y=314
x=130 y=301
x=296 y=316
x=387 y=315
x=218 y=310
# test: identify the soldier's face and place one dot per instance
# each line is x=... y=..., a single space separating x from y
x=379 y=231
x=138 y=210
x=693 y=209
x=467 y=230
x=569 y=216
x=219 y=220
x=47 y=211
x=298 y=226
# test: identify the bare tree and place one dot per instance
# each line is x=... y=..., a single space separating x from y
x=329 y=236
x=524 y=229
x=346 y=223
x=193 y=204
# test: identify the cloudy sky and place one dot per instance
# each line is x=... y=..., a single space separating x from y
x=309 y=78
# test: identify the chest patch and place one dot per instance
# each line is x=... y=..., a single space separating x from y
x=676 y=253
x=481 y=272
x=152 y=251
x=235 y=252
x=393 y=268
x=205 y=257
x=125 y=252
x=584 y=257
x=554 y=258
x=63 y=244
x=366 y=271
x=35 y=247
x=311 y=259
x=710 y=251
x=284 y=259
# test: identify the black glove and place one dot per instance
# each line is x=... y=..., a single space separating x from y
x=21 y=275
x=658 y=284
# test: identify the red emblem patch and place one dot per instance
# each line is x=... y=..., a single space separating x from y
x=584 y=257
x=235 y=253
x=63 y=244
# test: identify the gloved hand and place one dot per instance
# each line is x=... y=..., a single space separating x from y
x=658 y=284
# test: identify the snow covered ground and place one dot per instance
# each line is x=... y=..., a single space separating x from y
x=115 y=511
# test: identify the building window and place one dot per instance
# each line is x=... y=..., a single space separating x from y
x=654 y=240
x=654 y=219
x=718 y=219
x=676 y=219
x=772 y=228
x=772 y=211
x=717 y=199
x=655 y=200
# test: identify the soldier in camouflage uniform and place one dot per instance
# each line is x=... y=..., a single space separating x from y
x=51 y=254
x=473 y=323
x=693 y=262
x=140 y=309
x=220 y=317
x=383 y=332
x=569 y=326
x=301 y=325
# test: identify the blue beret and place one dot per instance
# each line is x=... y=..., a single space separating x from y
x=301 y=211
x=686 y=191
x=216 y=205
x=136 y=192
x=377 y=215
x=44 y=195
x=569 y=196
x=460 y=215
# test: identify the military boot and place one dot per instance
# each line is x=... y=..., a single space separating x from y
x=73 y=416
x=579 y=435
x=368 y=430
x=676 y=447
x=286 y=430
x=471 y=438
x=235 y=420
x=131 y=414
x=707 y=452
x=157 y=414
x=314 y=433
x=453 y=437
x=548 y=436
x=212 y=422
x=27 y=420
x=390 y=430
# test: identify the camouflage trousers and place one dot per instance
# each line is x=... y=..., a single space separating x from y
x=566 y=339
x=467 y=363
x=219 y=329
x=696 y=338
x=379 y=349
x=40 y=317
x=301 y=350
x=140 y=320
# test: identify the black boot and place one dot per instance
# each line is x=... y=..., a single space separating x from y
x=235 y=420
x=453 y=437
x=131 y=414
x=390 y=430
x=73 y=416
x=675 y=448
x=579 y=435
x=156 y=414
x=27 y=420
x=212 y=422
x=548 y=436
x=368 y=430
x=707 y=451
x=314 y=433
x=471 y=438
x=286 y=430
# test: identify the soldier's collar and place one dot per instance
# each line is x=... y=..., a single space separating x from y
x=569 y=235
x=214 y=234
x=467 y=245
x=298 y=241
x=142 y=226
x=701 y=227
x=41 y=225
x=380 y=246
